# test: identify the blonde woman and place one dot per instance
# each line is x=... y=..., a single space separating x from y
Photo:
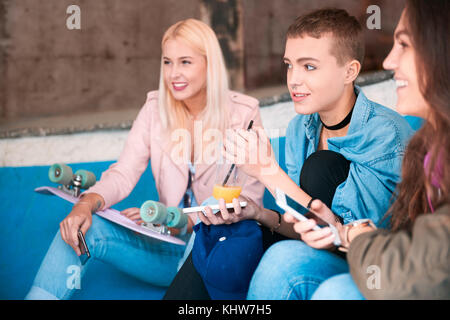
x=176 y=129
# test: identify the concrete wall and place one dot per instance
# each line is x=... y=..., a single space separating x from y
x=266 y=23
x=110 y=63
x=46 y=69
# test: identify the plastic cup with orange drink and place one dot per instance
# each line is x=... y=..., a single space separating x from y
x=233 y=183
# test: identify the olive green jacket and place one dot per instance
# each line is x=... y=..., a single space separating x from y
x=404 y=265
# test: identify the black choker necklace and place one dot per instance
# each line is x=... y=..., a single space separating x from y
x=341 y=124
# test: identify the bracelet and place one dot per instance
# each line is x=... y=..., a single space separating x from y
x=279 y=223
x=361 y=223
x=309 y=203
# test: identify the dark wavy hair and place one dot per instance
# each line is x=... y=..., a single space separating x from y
x=428 y=24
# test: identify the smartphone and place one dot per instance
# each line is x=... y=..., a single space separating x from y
x=85 y=254
x=282 y=202
x=213 y=207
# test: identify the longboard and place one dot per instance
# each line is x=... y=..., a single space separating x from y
x=113 y=216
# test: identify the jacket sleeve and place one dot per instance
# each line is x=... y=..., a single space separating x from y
x=368 y=189
x=404 y=265
x=118 y=181
x=290 y=152
x=376 y=152
x=292 y=157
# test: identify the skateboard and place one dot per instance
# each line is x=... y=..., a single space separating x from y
x=157 y=218
x=155 y=213
x=71 y=183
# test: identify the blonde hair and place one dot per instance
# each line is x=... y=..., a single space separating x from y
x=202 y=38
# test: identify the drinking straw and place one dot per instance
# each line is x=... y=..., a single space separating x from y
x=233 y=165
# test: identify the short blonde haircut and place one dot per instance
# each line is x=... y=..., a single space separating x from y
x=202 y=38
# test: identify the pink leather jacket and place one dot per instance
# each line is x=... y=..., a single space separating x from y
x=145 y=141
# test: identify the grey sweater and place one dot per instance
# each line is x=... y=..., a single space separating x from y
x=404 y=265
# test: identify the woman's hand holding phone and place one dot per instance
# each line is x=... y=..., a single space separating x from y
x=229 y=216
x=318 y=239
x=80 y=218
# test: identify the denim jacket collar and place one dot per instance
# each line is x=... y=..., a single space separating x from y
x=361 y=112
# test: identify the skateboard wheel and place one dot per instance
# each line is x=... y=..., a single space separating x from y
x=153 y=212
x=60 y=173
x=176 y=218
x=88 y=179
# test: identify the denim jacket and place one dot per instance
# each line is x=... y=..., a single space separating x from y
x=375 y=144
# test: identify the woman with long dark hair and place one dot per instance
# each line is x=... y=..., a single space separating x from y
x=412 y=260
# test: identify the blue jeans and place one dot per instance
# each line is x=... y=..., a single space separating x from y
x=292 y=270
x=145 y=258
x=340 y=287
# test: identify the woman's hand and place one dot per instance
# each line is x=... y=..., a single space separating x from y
x=229 y=216
x=80 y=218
x=251 y=151
x=324 y=238
x=319 y=239
x=133 y=214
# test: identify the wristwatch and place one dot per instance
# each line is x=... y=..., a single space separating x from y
x=357 y=224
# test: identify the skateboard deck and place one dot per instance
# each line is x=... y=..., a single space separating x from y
x=113 y=216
